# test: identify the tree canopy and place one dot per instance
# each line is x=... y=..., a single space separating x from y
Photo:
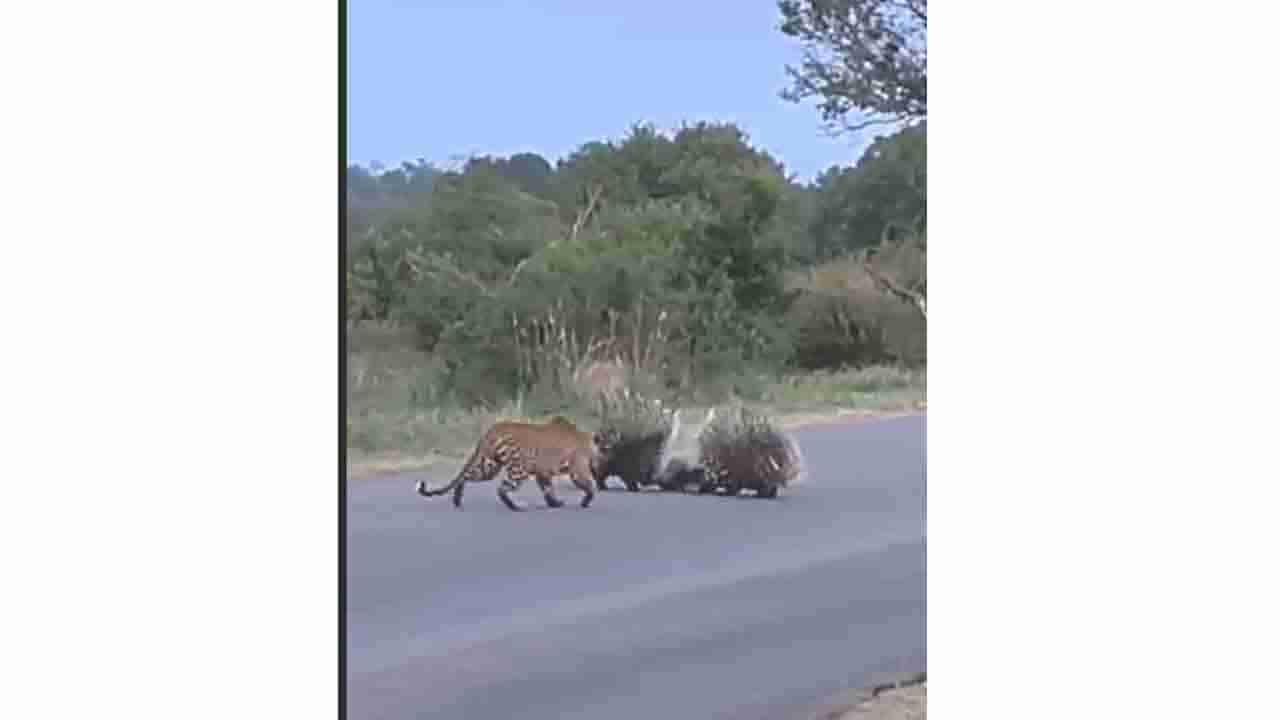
x=864 y=60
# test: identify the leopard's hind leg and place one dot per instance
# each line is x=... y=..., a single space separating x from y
x=516 y=475
x=488 y=468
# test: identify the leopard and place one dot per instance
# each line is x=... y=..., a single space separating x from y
x=538 y=450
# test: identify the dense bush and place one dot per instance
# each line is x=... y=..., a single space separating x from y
x=841 y=318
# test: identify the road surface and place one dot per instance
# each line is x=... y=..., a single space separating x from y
x=645 y=605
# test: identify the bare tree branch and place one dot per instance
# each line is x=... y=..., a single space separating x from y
x=592 y=198
x=915 y=299
x=436 y=264
x=836 y=128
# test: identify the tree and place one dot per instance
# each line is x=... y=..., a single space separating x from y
x=529 y=171
x=884 y=192
x=373 y=196
x=630 y=171
x=709 y=164
x=743 y=186
x=860 y=56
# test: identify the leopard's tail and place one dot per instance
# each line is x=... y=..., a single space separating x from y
x=466 y=471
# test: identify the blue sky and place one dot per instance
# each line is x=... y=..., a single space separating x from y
x=440 y=80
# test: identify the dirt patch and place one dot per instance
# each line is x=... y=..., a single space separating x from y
x=905 y=703
x=903 y=698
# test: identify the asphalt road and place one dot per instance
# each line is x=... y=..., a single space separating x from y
x=645 y=605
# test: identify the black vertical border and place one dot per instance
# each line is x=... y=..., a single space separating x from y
x=342 y=358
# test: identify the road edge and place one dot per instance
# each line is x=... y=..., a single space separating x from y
x=845 y=703
x=796 y=421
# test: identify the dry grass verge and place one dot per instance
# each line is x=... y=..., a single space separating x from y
x=401 y=419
